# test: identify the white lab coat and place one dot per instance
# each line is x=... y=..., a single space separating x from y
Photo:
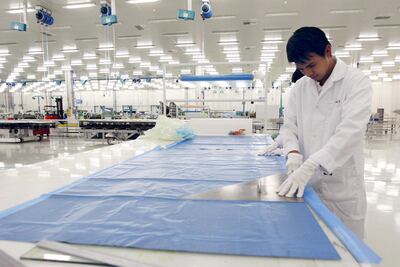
x=329 y=128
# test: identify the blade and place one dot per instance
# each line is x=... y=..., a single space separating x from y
x=263 y=189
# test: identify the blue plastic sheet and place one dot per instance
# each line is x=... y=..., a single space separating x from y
x=138 y=203
x=225 y=227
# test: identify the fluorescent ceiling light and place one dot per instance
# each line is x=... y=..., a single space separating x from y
x=366 y=60
x=134 y=60
x=41 y=69
x=224 y=17
x=70 y=50
x=387 y=79
x=346 y=11
x=66 y=67
x=232 y=56
x=35 y=52
x=281 y=14
x=122 y=54
x=58 y=58
x=76 y=62
x=189 y=44
x=368 y=39
x=154 y=21
x=237 y=70
x=388 y=64
x=144 y=46
x=271 y=41
x=342 y=54
x=353 y=47
x=89 y=56
x=105 y=48
x=19 y=10
x=382 y=53
x=393 y=46
x=228 y=42
x=141 y=1
x=79 y=5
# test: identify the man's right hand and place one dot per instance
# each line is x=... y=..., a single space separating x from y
x=269 y=150
x=294 y=161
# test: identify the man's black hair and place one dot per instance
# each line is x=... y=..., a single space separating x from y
x=304 y=41
x=296 y=75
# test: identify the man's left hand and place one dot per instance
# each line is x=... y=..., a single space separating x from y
x=297 y=181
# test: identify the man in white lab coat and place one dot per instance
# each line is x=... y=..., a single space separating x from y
x=324 y=125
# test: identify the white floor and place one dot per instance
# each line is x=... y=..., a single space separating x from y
x=48 y=166
x=382 y=177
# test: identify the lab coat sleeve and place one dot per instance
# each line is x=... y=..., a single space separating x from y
x=289 y=130
x=350 y=131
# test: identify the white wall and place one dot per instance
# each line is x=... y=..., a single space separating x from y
x=386 y=95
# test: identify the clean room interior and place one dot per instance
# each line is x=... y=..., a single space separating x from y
x=133 y=132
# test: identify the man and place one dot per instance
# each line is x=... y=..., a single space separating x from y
x=324 y=124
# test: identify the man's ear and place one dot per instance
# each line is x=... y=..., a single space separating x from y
x=328 y=50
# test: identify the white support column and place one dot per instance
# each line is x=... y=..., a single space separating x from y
x=114 y=94
x=70 y=96
x=266 y=98
x=199 y=71
x=164 y=92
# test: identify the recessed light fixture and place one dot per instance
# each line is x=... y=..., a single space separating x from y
x=346 y=11
x=141 y=1
x=224 y=17
x=228 y=42
x=393 y=46
x=272 y=41
x=281 y=14
x=79 y=5
x=70 y=50
x=342 y=54
x=19 y=10
x=353 y=47
x=368 y=37
x=153 y=21
x=188 y=44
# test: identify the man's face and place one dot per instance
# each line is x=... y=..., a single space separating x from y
x=316 y=67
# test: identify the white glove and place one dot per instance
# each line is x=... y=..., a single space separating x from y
x=268 y=151
x=293 y=162
x=298 y=179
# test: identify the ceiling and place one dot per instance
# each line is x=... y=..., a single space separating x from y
x=247 y=23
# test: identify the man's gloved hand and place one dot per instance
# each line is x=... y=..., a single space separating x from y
x=294 y=161
x=269 y=150
x=298 y=179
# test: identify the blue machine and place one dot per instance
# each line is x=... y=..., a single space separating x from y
x=206 y=11
x=18 y=26
x=107 y=17
x=44 y=16
x=186 y=14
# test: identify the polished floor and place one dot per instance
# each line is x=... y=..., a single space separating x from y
x=382 y=178
x=48 y=165
x=16 y=155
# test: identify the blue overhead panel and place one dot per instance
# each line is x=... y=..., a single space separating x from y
x=211 y=78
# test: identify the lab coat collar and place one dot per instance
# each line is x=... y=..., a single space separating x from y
x=339 y=71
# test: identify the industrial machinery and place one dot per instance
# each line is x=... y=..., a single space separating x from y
x=115 y=130
x=18 y=131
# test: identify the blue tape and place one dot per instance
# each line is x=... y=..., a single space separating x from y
x=229 y=77
x=360 y=251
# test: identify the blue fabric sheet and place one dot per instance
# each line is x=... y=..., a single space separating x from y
x=225 y=227
x=138 y=203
